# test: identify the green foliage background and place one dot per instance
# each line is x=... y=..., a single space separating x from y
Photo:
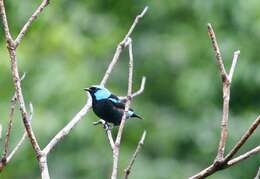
x=69 y=47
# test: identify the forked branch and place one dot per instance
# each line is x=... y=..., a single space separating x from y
x=41 y=155
x=222 y=162
x=7 y=157
x=27 y=25
x=121 y=46
x=11 y=46
x=65 y=131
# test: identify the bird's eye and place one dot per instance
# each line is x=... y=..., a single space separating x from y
x=94 y=89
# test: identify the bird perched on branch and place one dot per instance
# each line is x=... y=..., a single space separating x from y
x=108 y=106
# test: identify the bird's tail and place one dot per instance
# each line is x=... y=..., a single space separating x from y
x=137 y=116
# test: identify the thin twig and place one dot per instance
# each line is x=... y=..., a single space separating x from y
x=244 y=156
x=65 y=131
x=8 y=35
x=18 y=145
x=110 y=138
x=258 y=174
x=11 y=46
x=17 y=81
x=127 y=106
x=30 y=21
x=138 y=148
x=233 y=66
x=126 y=42
x=10 y=124
x=6 y=160
x=111 y=65
x=137 y=93
x=19 y=94
x=243 y=139
x=217 y=53
x=108 y=131
x=222 y=162
x=226 y=94
x=228 y=161
x=141 y=89
x=138 y=17
x=121 y=46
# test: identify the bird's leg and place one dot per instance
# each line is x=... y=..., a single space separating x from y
x=107 y=126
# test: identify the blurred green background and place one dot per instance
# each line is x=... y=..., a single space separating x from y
x=71 y=44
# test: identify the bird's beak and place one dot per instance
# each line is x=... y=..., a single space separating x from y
x=87 y=89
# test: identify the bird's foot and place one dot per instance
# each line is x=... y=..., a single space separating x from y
x=106 y=126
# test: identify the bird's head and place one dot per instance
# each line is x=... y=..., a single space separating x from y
x=98 y=92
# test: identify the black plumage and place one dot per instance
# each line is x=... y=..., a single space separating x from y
x=108 y=106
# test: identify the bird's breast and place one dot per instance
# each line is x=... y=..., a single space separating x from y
x=106 y=111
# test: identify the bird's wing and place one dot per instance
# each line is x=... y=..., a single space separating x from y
x=116 y=102
x=120 y=106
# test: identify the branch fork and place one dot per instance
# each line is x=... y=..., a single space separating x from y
x=221 y=161
x=42 y=154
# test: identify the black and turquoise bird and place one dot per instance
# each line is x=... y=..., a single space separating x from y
x=108 y=106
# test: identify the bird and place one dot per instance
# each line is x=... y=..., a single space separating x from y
x=108 y=106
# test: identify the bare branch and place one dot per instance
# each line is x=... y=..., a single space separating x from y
x=111 y=65
x=217 y=53
x=23 y=76
x=138 y=148
x=17 y=81
x=127 y=106
x=120 y=47
x=258 y=174
x=141 y=89
x=228 y=161
x=44 y=167
x=8 y=35
x=12 y=45
x=108 y=131
x=222 y=162
x=65 y=131
x=204 y=173
x=137 y=93
x=138 y=17
x=226 y=93
x=18 y=145
x=30 y=21
x=129 y=91
x=243 y=139
x=10 y=124
x=244 y=156
x=19 y=94
x=6 y=160
x=233 y=66
x=110 y=138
